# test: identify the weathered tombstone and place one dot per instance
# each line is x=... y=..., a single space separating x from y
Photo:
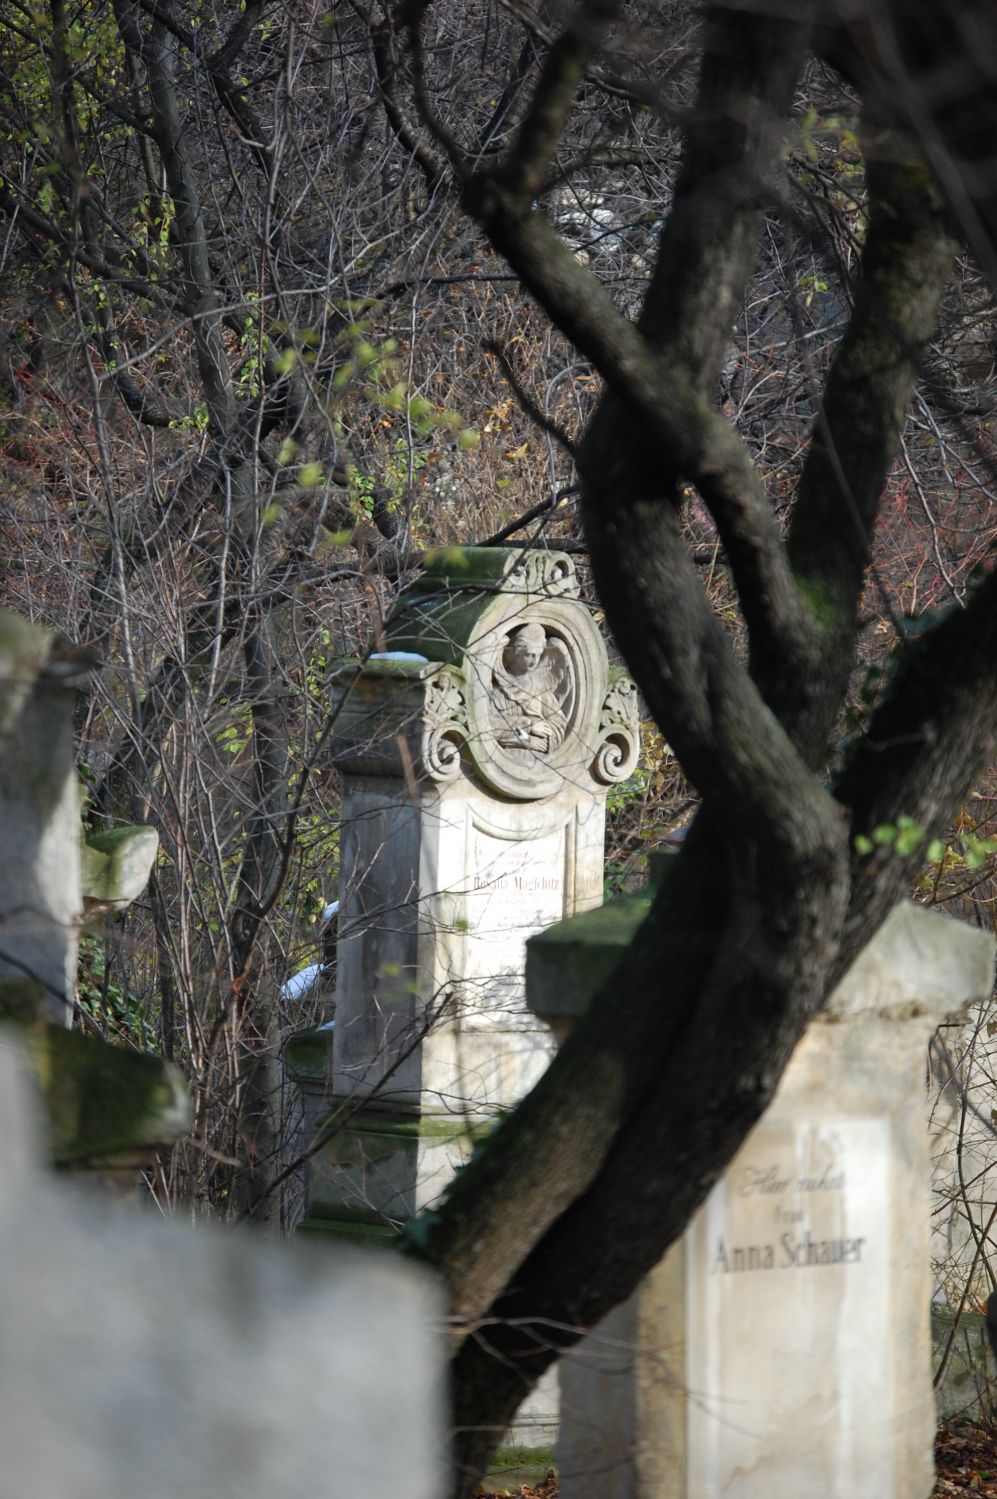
x=109 y=1108
x=783 y=1347
x=476 y=750
x=146 y=1357
x=40 y=900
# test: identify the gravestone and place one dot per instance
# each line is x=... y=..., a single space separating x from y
x=40 y=898
x=783 y=1345
x=476 y=753
x=141 y=1356
x=477 y=748
x=50 y=878
x=110 y=1109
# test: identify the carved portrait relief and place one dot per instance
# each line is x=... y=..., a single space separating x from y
x=532 y=691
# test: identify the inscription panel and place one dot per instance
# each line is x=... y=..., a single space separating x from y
x=513 y=890
x=789 y=1365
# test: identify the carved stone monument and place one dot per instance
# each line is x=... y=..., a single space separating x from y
x=476 y=751
x=782 y=1346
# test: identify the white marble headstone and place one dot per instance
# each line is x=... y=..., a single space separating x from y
x=790 y=1256
x=781 y=1348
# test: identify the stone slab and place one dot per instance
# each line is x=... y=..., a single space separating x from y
x=140 y=1356
x=783 y=1345
x=439 y=895
x=793 y=1258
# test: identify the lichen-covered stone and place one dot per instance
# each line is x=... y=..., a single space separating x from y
x=103 y=1102
x=115 y=867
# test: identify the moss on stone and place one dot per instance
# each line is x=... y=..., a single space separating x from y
x=21 y=999
x=348 y=1231
x=395 y=1127
x=306 y=1053
x=102 y=1100
x=568 y=963
x=116 y=863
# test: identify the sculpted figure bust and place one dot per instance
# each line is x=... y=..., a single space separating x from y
x=531 y=689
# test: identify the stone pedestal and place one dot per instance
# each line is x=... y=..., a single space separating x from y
x=476 y=754
x=109 y=1109
x=40 y=900
x=782 y=1347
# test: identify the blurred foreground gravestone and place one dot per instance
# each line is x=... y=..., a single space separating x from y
x=477 y=751
x=144 y=1357
x=109 y=1108
x=782 y=1347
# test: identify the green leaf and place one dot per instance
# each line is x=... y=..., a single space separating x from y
x=935 y=851
x=909 y=839
x=863 y=845
x=310 y=474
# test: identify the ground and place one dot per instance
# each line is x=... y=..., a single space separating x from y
x=965 y=1456
x=966 y=1460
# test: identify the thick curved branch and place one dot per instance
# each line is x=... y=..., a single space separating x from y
x=561 y=76
x=663 y=372
x=905 y=265
x=676 y=430
x=925 y=744
x=733 y=136
x=410 y=15
x=386 y=66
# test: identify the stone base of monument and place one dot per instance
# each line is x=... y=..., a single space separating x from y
x=374 y=1171
x=375 y=1166
x=783 y=1346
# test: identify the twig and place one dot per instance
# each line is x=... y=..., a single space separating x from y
x=530 y=515
x=527 y=402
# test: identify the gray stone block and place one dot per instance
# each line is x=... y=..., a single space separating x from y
x=146 y=1357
